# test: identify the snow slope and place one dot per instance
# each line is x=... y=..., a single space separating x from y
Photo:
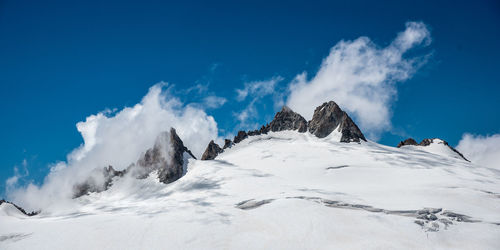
x=283 y=190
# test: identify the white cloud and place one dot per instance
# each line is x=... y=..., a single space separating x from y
x=482 y=150
x=361 y=77
x=11 y=182
x=118 y=139
x=214 y=101
x=257 y=89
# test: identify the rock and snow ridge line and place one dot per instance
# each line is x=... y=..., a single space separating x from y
x=431 y=142
x=167 y=157
x=12 y=206
x=327 y=118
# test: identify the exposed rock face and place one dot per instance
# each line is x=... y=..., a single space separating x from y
x=167 y=156
x=240 y=136
x=19 y=208
x=227 y=144
x=264 y=129
x=427 y=142
x=409 y=141
x=98 y=181
x=286 y=119
x=328 y=117
x=212 y=151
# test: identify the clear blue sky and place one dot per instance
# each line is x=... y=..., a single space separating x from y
x=61 y=61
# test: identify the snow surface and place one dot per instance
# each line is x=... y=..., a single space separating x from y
x=283 y=190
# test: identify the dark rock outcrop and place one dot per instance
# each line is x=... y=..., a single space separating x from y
x=240 y=136
x=328 y=117
x=409 y=141
x=212 y=151
x=227 y=144
x=264 y=129
x=167 y=156
x=427 y=142
x=286 y=119
x=19 y=208
x=98 y=181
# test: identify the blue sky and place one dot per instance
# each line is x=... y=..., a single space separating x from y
x=61 y=62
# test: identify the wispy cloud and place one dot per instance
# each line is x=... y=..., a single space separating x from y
x=257 y=89
x=482 y=150
x=254 y=92
x=361 y=77
x=19 y=173
x=213 y=101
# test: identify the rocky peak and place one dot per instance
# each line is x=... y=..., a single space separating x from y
x=287 y=119
x=212 y=151
x=227 y=143
x=328 y=117
x=167 y=156
x=409 y=141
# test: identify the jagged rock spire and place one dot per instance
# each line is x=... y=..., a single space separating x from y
x=287 y=119
x=212 y=151
x=166 y=156
x=328 y=117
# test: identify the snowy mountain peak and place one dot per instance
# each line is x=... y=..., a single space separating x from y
x=433 y=145
x=167 y=158
x=328 y=117
x=11 y=209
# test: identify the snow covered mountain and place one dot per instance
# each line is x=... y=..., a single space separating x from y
x=290 y=185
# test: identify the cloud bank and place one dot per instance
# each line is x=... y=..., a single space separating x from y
x=361 y=77
x=118 y=139
x=481 y=150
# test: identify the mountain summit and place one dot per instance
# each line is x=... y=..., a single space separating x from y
x=327 y=118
